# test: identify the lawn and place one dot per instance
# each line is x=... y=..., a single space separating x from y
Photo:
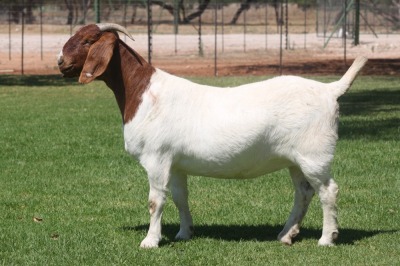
x=70 y=195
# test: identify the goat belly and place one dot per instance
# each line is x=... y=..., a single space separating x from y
x=233 y=158
x=236 y=168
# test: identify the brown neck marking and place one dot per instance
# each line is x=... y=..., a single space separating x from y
x=128 y=76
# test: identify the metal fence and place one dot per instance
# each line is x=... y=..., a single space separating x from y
x=336 y=18
x=293 y=24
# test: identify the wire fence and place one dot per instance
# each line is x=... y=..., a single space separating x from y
x=41 y=27
x=333 y=22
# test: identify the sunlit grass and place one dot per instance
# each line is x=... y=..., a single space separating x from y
x=70 y=195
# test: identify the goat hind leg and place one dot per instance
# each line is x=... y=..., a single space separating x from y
x=303 y=195
x=328 y=193
x=178 y=186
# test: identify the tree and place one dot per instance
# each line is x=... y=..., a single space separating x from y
x=247 y=4
x=16 y=8
x=181 y=11
x=85 y=5
x=202 y=6
x=244 y=6
x=391 y=13
x=70 y=7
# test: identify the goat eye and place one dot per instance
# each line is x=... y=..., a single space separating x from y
x=86 y=42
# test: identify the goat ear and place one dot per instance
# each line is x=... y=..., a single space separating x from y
x=99 y=56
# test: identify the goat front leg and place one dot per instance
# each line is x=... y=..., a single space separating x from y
x=178 y=186
x=158 y=180
x=157 y=198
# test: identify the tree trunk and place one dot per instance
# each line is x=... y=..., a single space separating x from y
x=133 y=18
x=85 y=4
x=29 y=17
x=14 y=12
x=70 y=8
x=181 y=10
x=244 y=6
x=279 y=20
x=202 y=7
x=386 y=14
x=167 y=7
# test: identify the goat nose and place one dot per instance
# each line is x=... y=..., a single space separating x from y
x=60 y=60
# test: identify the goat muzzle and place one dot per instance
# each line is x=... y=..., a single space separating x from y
x=67 y=71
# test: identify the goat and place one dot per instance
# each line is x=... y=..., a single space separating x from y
x=176 y=128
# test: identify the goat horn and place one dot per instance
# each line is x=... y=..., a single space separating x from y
x=115 y=27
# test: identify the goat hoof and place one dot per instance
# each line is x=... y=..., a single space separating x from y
x=286 y=239
x=149 y=243
x=323 y=242
x=185 y=234
x=328 y=241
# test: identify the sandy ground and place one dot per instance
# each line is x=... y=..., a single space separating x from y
x=253 y=54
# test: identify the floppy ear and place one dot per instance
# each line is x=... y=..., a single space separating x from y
x=99 y=56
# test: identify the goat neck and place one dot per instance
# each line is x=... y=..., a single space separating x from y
x=128 y=76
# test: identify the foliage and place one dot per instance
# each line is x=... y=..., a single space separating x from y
x=179 y=7
x=392 y=14
x=182 y=11
x=70 y=195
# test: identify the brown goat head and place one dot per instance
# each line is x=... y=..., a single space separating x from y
x=87 y=53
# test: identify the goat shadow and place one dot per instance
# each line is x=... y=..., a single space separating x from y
x=38 y=80
x=347 y=236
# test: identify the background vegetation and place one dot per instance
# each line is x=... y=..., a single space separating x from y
x=182 y=11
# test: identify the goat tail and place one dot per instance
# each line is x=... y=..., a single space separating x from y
x=344 y=84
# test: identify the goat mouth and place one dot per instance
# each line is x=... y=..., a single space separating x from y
x=68 y=71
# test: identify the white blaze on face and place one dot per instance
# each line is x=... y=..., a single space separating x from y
x=59 y=57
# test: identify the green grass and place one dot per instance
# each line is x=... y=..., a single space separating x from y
x=70 y=195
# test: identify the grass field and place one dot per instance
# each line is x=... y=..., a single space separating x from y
x=70 y=195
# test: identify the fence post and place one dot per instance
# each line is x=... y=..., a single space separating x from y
x=244 y=29
x=9 y=34
x=41 y=30
x=280 y=37
x=201 y=53
x=345 y=32
x=215 y=38
x=287 y=45
x=266 y=25
x=149 y=29
x=22 y=38
x=176 y=22
x=97 y=10
x=305 y=25
x=357 y=23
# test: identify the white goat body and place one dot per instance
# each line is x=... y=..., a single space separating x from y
x=177 y=128
x=239 y=132
x=182 y=128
